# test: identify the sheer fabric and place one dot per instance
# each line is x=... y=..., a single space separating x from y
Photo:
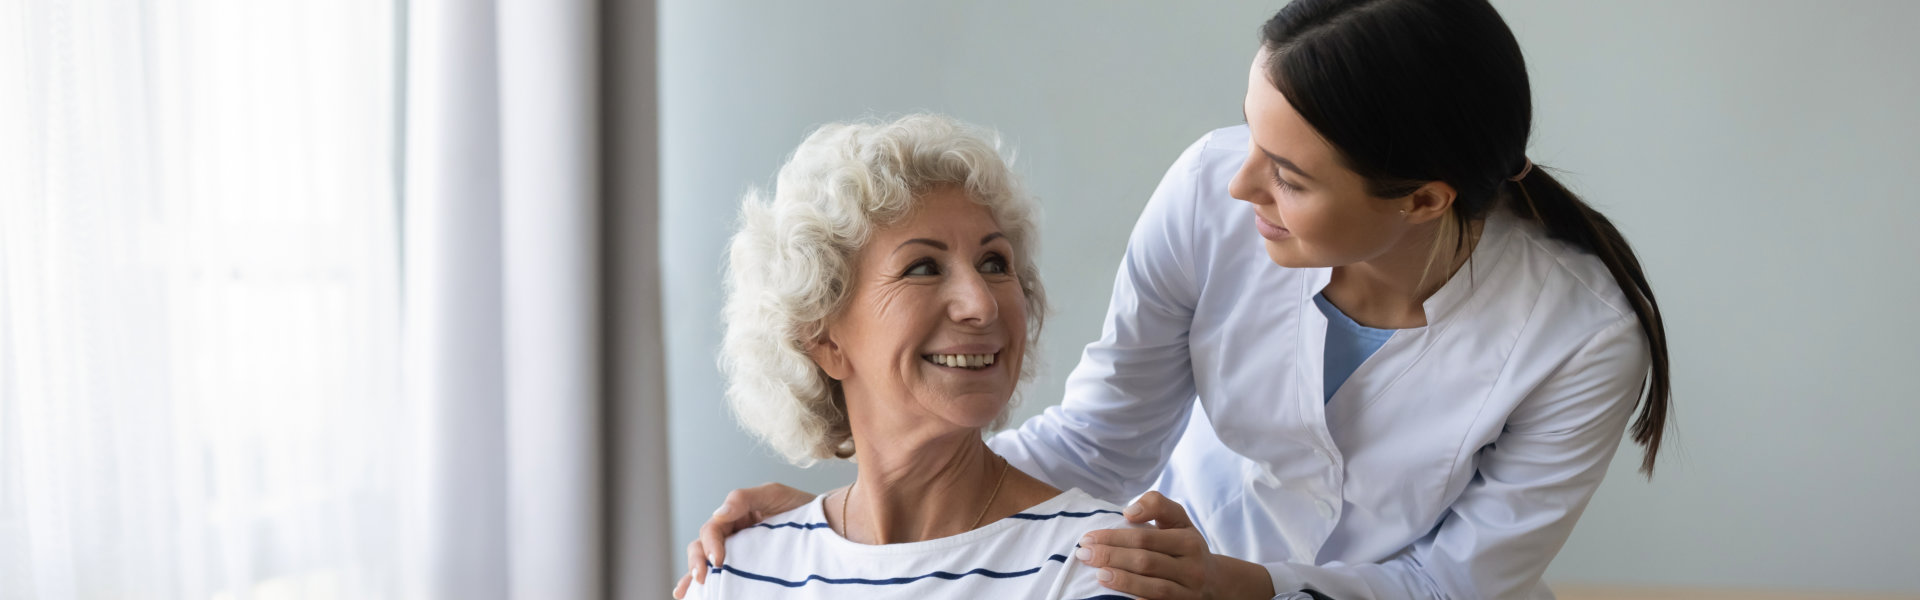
x=200 y=302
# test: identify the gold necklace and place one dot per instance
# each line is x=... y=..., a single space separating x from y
x=846 y=518
x=990 y=497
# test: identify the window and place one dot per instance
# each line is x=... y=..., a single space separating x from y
x=200 y=301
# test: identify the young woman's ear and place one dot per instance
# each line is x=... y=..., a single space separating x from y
x=826 y=353
x=1430 y=202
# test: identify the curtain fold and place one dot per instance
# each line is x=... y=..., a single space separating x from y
x=642 y=562
x=550 y=158
x=454 y=314
x=534 y=283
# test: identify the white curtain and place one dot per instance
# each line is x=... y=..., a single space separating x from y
x=305 y=300
x=504 y=335
x=200 y=301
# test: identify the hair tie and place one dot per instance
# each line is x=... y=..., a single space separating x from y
x=1523 y=171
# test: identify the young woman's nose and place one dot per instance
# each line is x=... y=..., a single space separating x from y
x=1247 y=184
x=970 y=300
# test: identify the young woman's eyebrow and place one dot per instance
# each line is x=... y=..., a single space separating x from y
x=1277 y=159
x=1285 y=163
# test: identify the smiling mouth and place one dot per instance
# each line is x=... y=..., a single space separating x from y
x=1267 y=229
x=972 y=362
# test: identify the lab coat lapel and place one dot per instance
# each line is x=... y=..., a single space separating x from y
x=1311 y=363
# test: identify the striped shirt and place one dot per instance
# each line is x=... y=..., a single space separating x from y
x=796 y=555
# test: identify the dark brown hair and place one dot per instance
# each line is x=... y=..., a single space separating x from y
x=1413 y=91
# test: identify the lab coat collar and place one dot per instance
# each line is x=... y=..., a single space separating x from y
x=1459 y=288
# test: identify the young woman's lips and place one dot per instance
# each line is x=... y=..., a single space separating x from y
x=1269 y=230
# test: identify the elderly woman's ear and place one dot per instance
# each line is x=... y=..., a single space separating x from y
x=827 y=354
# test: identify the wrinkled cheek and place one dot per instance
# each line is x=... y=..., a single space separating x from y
x=1014 y=316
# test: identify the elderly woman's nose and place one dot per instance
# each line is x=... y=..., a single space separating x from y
x=970 y=300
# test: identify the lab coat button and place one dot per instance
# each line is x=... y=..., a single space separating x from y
x=1326 y=509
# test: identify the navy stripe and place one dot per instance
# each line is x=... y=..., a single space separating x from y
x=1026 y=516
x=863 y=581
x=1107 y=597
x=1074 y=515
x=1059 y=558
x=793 y=525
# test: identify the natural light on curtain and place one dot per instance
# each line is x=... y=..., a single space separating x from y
x=199 y=301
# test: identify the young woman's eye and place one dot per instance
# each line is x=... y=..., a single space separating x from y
x=1274 y=173
x=924 y=268
x=995 y=265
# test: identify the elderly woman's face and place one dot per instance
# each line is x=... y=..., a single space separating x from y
x=936 y=326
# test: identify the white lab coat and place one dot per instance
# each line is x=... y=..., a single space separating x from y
x=1452 y=464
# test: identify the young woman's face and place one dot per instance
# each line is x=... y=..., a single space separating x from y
x=1312 y=211
x=936 y=327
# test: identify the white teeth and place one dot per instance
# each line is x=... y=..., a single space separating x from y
x=963 y=361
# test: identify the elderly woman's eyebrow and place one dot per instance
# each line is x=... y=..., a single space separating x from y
x=943 y=245
x=924 y=241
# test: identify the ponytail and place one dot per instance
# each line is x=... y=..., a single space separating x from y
x=1542 y=199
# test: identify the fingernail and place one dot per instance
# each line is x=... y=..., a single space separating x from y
x=720 y=511
x=1105 y=575
x=1133 y=509
x=1086 y=540
x=712 y=562
x=1083 y=554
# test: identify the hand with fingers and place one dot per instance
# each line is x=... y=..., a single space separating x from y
x=1169 y=561
x=742 y=509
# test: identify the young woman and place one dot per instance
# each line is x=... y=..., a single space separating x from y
x=1373 y=350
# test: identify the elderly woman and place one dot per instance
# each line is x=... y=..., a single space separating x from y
x=880 y=307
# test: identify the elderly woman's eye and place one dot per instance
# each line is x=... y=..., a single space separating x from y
x=924 y=268
x=995 y=264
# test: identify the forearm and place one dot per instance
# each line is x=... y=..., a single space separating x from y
x=1235 y=579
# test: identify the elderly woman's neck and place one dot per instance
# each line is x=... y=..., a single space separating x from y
x=912 y=490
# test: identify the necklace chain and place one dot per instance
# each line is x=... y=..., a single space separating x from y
x=846 y=518
x=991 y=497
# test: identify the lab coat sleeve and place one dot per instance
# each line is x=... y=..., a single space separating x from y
x=1128 y=400
x=1532 y=483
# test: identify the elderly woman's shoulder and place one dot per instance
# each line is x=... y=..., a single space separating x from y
x=807 y=518
x=1054 y=528
x=1070 y=515
x=754 y=550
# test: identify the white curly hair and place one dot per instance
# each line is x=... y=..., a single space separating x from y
x=790 y=264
